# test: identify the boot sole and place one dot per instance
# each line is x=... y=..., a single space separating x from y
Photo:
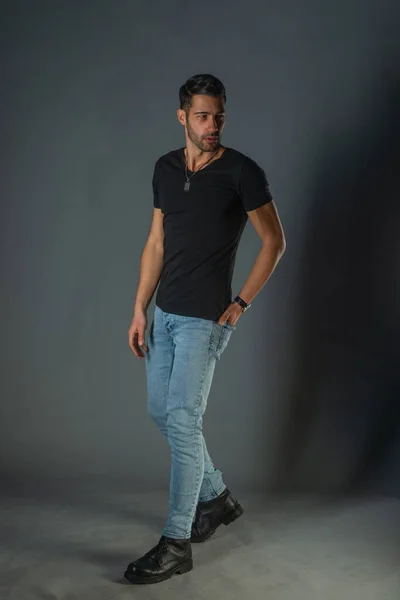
x=228 y=518
x=179 y=570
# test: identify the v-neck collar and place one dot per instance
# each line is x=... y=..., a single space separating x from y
x=182 y=155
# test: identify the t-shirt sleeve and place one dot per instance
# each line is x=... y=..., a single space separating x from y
x=156 y=199
x=253 y=185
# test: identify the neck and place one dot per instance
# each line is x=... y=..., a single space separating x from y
x=196 y=157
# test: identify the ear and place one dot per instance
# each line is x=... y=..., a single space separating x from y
x=181 y=115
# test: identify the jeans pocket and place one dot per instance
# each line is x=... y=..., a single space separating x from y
x=220 y=338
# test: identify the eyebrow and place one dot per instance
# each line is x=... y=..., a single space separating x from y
x=206 y=112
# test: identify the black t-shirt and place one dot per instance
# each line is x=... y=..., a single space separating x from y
x=202 y=229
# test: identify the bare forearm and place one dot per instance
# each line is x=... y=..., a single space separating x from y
x=265 y=263
x=150 y=270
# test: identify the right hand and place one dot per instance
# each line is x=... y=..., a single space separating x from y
x=136 y=333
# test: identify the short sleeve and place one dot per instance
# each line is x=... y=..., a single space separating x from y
x=156 y=200
x=253 y=185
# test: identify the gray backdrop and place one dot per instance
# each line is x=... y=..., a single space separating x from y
x=305 y=396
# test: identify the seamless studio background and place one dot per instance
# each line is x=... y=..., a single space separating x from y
x=305 y=398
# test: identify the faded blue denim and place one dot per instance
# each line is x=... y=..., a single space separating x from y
x=180 y=363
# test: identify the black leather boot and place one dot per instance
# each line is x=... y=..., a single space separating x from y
x=209 y=515
x=170 y=556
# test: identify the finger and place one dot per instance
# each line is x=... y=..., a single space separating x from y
x=135 y=350
x=132 y=343
x=224 y=319
x=134 y=346
x=138 y=352
x=131 y=335
x=138 y=349
x=141 y=342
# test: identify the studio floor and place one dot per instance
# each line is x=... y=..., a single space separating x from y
x=75 y=546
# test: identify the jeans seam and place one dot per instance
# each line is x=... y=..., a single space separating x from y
x=198 y=482
x=170 y=370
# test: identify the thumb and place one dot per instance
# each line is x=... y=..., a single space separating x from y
x=141 y=336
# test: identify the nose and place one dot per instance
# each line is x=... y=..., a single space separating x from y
x=214 y=125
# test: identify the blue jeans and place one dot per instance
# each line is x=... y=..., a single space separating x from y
x=180 y=362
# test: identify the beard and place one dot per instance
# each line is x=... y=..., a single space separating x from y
x=201 y=143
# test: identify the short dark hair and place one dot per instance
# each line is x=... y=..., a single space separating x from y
x=203 y=83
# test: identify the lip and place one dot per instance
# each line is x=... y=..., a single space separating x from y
x=211 y=139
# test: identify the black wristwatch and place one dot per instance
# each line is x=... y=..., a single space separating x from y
x=242 y=303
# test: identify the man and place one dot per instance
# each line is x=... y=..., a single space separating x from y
x=203 y=195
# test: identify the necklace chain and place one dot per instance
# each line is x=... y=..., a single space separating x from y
x=194 y=172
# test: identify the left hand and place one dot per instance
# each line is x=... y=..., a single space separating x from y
x=231 y=315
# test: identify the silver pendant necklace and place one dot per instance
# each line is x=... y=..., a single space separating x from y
x=187 y=182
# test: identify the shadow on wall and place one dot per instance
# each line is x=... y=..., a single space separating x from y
x=343 y=424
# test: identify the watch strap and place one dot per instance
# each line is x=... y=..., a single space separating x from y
x=242 y=303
